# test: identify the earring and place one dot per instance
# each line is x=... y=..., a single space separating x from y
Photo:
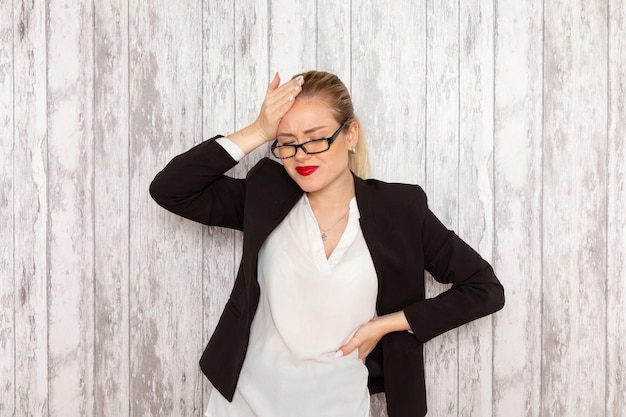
x=353 y=150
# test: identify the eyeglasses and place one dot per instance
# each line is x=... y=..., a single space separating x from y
x=309 y=147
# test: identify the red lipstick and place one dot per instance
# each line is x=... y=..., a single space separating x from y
x=306 y=170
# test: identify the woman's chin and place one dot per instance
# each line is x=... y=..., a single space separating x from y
x=307 y=185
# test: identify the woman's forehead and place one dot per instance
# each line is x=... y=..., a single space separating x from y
x=306 y=117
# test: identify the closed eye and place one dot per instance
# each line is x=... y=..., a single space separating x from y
x=312 y=140
x=287 y=135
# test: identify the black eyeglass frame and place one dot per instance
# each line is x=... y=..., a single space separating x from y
x=330 y=141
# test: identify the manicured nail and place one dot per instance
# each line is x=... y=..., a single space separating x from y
x=290 y=98
x=339 y=354
x=300 y=80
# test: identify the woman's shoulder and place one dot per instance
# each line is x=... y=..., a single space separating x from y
x=391 y=202
x=391 y=190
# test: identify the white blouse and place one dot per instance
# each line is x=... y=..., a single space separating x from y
x=309 y=307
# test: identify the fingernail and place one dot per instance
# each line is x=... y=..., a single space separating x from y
x=290 y=98
x=339 y=354
x=300 y=79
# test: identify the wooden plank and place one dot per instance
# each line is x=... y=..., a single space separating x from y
x=476 y=191
x=252 y=73
x=517 y=216
x=292 y=40
x=334 y=39
x=616 y=219
x=7 y=214
x=30 y=208
x=111 y=199
x=574 y=209
x=165 y=251
x=70 y=214
x=219 y=266
x=388 y=85
x=219 y=67
x=442 y=182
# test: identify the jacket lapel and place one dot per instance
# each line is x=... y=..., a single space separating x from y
x=370 y=228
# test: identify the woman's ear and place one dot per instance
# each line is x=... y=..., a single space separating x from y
x=352 y=134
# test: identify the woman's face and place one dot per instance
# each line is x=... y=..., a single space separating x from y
x=312 y=119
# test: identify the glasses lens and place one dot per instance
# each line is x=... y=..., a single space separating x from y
x=316 y=146
x=285 y=151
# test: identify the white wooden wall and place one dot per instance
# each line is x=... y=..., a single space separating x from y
x=511 y=114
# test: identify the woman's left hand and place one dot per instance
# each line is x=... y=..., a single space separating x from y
x=368 y=335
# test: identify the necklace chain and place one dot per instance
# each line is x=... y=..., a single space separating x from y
x=324 y=235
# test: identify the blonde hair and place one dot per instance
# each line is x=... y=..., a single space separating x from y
x=328 y=87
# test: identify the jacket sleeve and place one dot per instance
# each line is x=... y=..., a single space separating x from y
x=193 y=185
x=475 y=290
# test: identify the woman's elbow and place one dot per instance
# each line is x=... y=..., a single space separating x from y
x=153 y=189
x=157 y=193
x=496 y=298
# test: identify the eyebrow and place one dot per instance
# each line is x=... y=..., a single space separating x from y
x=306 y=132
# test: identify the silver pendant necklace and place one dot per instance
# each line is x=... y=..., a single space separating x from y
x=324 y=235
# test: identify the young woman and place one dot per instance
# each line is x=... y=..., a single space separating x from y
x=329 y=304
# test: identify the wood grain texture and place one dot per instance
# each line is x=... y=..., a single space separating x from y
x=253 y=72
x=388 y=85
x=71 y=210
x=30 y=238
x=517 y=217
x=165 y=251
x=7 y=214
x=574 y=209
x=476 y=191
x=616 y=219
x=334 y=39
x=111 y=200
x=292 y=36
x=218 y=68
x=442 y=183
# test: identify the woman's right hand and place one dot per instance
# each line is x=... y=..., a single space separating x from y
x=278 y=101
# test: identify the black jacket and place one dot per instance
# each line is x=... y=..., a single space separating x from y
x=404 y=239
